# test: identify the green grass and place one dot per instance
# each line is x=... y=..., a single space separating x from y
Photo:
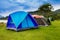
x=51 y=32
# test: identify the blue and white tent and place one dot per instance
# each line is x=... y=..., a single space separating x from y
x=21 y=20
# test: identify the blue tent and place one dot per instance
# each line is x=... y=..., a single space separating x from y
x=21 y=20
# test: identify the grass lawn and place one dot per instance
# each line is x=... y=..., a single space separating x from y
x=51 y=32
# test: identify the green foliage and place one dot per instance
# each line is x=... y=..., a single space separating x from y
x=56 y=16
x=4 y=18
x=46 y=9
x=51 y=32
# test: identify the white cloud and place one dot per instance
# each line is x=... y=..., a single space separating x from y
x=56 y=7
x=55 y=4
x=21 y=1
x=25 y=5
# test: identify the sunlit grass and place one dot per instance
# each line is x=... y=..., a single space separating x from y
x=51 y=32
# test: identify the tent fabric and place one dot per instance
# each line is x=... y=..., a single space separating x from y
x=17 y=17
x=37 y=16
x=40 y=20
x=21 y=20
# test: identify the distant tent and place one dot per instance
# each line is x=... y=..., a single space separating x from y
x=21 y=20
x=40 y=20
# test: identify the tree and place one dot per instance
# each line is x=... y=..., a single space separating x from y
x=45 y=9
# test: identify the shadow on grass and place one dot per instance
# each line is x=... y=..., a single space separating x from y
x=23 y=30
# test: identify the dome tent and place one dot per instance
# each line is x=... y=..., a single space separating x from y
x=41 y=20
x=21 y=20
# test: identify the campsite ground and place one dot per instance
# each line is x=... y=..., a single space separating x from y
x=51 y=32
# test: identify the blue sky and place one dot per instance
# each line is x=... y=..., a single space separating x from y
x=55 y=4
x=8 y=6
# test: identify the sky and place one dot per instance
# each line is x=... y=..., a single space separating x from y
x=9 y=6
